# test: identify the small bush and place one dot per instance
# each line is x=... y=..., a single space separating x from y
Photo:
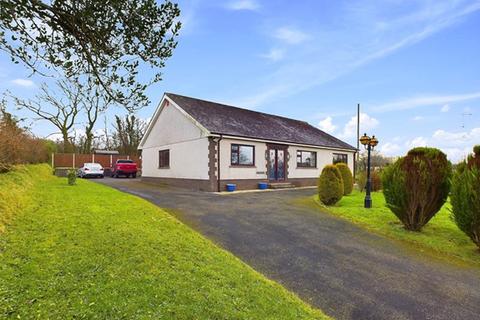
x=330 y=185
x=417 y=186
x=361 y=179
x=72 y=177
x=376 y=181
x=347 y=177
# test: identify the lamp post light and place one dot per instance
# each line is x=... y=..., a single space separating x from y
x=369 y=144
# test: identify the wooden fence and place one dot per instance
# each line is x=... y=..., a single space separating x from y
x=75 y=160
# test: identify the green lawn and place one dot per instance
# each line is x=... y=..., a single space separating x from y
x=89 y=251
x=440 y=236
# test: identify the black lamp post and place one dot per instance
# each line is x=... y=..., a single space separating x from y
x=369 y=144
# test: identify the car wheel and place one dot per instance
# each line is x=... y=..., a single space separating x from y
x=134 y=175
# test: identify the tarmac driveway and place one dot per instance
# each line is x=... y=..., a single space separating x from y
x=334 y=265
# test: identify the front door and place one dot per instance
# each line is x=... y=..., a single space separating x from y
x=276 y=163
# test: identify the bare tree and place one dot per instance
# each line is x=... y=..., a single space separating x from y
x=94 y=103
x=60 y=110
x=128 y=134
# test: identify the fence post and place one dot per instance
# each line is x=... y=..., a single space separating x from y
x=73 y=157
x=53 y=160
x=110 y=161
x=128 y=157
x=93 y=157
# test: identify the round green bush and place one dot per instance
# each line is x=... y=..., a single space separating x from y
x=330 y=185
x=416 y=186
x=347 y=177
x=465 y=199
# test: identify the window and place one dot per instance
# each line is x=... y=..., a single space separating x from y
x=164 y=158
x=242 y=155
x=124 y=161
x=340 y=157
x=306 y=159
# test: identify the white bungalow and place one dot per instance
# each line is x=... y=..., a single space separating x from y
x=205 y=145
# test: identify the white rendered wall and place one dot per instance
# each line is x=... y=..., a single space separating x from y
x=227 y=171
x=324 y=157
x=188 y=160
x=187 y=144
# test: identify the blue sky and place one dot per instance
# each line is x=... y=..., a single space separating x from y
x=412 y=65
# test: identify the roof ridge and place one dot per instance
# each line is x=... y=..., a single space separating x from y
x=240 y=108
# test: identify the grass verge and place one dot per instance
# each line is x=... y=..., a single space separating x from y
x=89 y=251
x=440 y=236
x=15 y=187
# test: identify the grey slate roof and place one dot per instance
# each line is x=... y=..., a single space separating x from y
x=228 y=120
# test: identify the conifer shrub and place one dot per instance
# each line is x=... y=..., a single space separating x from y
x=347 y=177
x=416 y=186
x=72 y=177
x=330 y=185
x=465 y=199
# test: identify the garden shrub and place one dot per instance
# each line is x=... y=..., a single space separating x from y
x=361 y=181
x=72 y=177
x=416 y=186
x=376 y=181
x=330 y=185
x=347 y=177
x=465 y=199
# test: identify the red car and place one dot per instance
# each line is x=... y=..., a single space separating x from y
x=124 y=167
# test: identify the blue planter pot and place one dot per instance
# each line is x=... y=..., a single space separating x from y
x=231 y=187
x=262 y=185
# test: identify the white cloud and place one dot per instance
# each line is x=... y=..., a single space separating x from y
x=327 y=125
x=367 y=123
x=443 y=137
x=274 y=55
x=290 y=35
x=23 y=82
x=416 y=142
x=445 y=108
x=389 y=149
x=354 y=41
x=417 y=118
x=243 y=5
x=422 y=101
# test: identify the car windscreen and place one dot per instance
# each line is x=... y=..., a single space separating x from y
x=125 y=161
x=93 y=165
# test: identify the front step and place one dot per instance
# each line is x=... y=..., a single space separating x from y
x=281 y=185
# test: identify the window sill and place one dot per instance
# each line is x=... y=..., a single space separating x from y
x=163 y=167
x=307 y=168
x=243 y=166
